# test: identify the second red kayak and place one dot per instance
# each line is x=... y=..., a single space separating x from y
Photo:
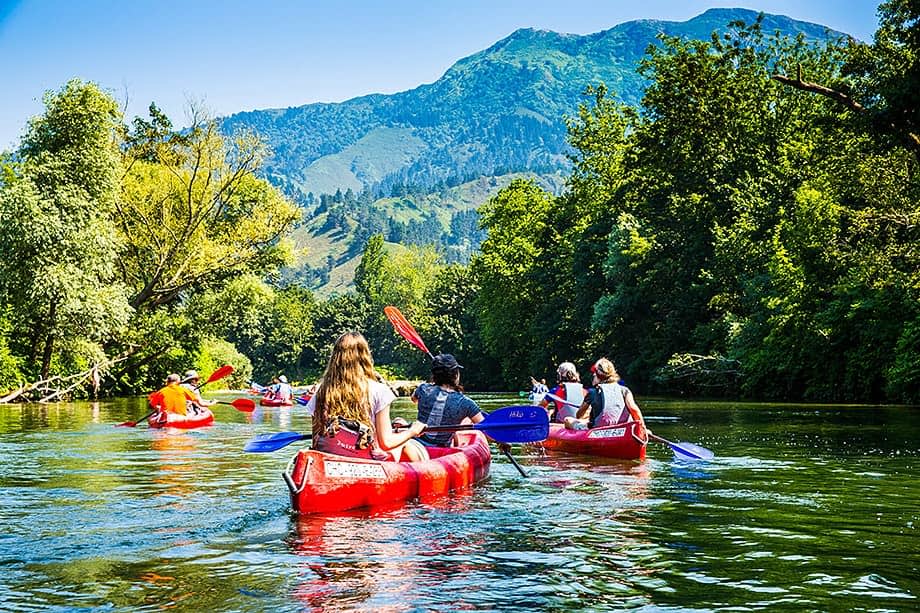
x=623 y=441
x=184 y=422
x=275 y=402
x=320 y=482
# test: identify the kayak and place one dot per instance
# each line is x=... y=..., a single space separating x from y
x=623 y=441
x=320 y=482
x=184 y=422
x=276 y=402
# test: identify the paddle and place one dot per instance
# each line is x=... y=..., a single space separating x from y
x=245 y=405
x=405 y=329
x=218 y=374
x=687 y=450
x=262 y=443
x=515 y=424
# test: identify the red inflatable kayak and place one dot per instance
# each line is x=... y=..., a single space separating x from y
x=275 y=402
x=624 y=441
x=184 y=422
x=320 y=482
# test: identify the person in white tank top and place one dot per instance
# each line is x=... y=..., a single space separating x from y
x=568 y=387
x=607 y=403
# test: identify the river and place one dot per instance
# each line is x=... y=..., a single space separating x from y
x=803 y=508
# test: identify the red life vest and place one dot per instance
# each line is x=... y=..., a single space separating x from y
x=349 y=438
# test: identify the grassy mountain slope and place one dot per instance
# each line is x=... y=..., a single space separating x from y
x=495 y=113
x=499 y=110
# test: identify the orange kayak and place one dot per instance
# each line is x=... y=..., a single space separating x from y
x=320 y=482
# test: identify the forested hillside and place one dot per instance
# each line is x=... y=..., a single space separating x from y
x=496 y=112
x=417 y=156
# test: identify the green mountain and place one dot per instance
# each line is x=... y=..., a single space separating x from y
x=493 y=114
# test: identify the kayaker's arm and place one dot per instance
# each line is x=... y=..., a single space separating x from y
x=387 y=438
x=584 y=411
x=632 y=406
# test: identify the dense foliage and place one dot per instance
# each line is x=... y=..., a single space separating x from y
x=736 y=236
x=749 y=228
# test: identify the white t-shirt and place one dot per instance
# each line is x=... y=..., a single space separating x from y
x=380 y=395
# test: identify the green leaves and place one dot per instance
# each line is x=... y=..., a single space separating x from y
x=59 y=247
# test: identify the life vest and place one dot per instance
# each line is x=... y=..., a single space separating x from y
x=573 y=392
x=612 y=405
x=349 y=438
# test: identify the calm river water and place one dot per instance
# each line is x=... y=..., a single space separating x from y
x=803 y=508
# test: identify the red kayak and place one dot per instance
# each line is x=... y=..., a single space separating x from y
x=275 y=402
x=321 y=482
x=623 y=441
x=185 y=422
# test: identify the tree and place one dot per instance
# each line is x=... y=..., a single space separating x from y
x=515 y=219
x=198 y=214
x=879 y=82
x=58 y=271
x=369 y=273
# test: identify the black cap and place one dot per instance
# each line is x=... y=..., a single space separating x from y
x=444 y=361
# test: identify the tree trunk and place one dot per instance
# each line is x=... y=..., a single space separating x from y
x=49 y=341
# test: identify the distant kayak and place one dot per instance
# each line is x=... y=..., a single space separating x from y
x=623 y=441
x=321 y=482
x=185 y=422
x=276 y=402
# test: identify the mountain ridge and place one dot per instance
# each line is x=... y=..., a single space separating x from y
x=497 y=112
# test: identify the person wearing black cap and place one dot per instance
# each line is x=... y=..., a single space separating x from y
x=441 y=402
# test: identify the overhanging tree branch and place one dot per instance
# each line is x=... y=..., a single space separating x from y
x=910 y=139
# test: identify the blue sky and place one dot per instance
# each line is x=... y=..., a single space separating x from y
x=233 y=55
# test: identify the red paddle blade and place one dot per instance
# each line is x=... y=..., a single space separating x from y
x=245 y=405
x=220 y=373
x=126 y=424
x=404 y=328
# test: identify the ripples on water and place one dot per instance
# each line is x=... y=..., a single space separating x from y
x=802 y=508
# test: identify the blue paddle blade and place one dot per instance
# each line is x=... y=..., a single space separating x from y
x=271 y=442
x=689 y=450
x=516 y=424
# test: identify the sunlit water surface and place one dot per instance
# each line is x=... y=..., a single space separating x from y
x=804 y=508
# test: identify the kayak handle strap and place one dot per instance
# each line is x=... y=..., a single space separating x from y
x=287 y=473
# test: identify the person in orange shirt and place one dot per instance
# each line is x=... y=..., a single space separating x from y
x=173 y=397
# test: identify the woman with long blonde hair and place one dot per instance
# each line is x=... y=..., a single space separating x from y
x=350 y=392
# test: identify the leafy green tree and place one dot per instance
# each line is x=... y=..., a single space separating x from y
x=369 y=275
x=58 y=272
x=10 y=364
x=515 y=219
x=453 y=327
x=332 y=318
x=879 y=82
x=270 y=326
x=196 y=215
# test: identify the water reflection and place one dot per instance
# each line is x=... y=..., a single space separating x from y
x=350 y=560
x=177 y=474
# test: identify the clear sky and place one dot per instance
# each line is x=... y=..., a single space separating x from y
x=234 y=55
